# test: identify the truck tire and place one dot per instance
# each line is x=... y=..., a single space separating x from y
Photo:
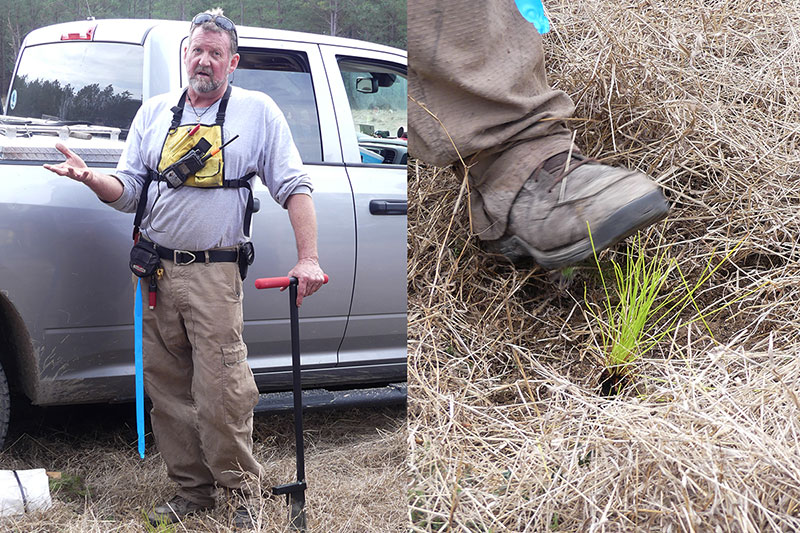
x=5 y=406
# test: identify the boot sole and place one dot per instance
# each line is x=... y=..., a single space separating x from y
x=634 y=216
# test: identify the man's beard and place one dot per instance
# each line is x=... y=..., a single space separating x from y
x=205 y=85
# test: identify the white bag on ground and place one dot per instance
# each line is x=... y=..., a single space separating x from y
x=24 y=491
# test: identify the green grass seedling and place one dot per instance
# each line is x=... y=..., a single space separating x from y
x=638 y=287
x=162 y=526
x=643 y=309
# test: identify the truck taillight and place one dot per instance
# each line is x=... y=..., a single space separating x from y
x=75 y=36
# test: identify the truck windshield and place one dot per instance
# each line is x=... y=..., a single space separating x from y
x=91 y=82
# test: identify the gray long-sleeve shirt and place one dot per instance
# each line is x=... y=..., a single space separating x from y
x=191 y=218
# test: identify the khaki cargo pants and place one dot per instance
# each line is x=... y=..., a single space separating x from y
x=477 y=67
x=197 y=376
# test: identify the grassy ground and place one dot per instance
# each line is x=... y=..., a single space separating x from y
x=355 y=465
x=508 y=429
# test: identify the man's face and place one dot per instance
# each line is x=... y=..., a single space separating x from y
x=208 y=60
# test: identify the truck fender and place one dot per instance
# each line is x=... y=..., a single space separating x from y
x=16 y=349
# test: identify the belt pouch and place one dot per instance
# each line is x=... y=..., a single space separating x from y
x=144 y=259
x=247 y=255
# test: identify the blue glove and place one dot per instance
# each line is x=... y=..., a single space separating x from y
x=533 y=11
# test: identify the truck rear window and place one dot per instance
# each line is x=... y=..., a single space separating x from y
x=87 y=82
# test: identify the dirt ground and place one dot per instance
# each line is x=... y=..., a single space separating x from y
x=355 y=466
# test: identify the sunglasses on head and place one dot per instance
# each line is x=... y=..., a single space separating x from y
x=221 y=21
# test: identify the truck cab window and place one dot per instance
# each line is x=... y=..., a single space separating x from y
x=377 y=92
x=90 y=83
x=286 y=78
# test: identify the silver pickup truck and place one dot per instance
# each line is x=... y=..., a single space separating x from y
x=66 y=296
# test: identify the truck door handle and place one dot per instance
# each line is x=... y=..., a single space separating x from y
x=388 y=207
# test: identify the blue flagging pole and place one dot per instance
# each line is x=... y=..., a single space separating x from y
x=137 y=361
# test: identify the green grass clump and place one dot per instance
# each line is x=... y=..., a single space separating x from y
x=626 y=334
x=163 y=525
x=69 y=487
x=643 y=308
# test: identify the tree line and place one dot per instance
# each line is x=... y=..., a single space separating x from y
x=91 y=103
x=379 y=21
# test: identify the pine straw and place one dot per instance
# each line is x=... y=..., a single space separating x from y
x=355 y=466
x=507 y=431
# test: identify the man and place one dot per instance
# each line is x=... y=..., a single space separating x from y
x=195 y=362
x=482 y=95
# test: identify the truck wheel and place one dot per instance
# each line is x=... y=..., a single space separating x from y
x=5 y=406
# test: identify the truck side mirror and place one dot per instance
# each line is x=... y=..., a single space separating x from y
x=367 y=85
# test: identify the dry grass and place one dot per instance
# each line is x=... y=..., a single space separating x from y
x=355 y=465
x=507 y=431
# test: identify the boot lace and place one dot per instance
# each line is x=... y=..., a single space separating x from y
x=559 y=163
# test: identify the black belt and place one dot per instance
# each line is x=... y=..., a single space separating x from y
x=186 y=257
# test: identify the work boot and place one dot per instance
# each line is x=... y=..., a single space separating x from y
x=243 y=518
x=174 y=510
x=244 y=505
x=548 y=219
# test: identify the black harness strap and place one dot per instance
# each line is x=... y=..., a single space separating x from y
x=177 y=112
x=137 y=221
x=223 y=106
x=248 y=211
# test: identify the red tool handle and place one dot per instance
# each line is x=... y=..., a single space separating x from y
x=278 y=283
